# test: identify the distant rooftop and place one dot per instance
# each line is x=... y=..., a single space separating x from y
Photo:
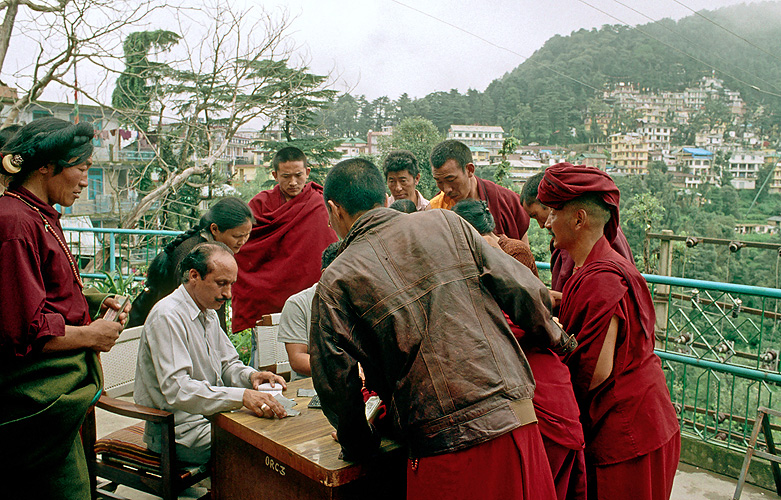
x=697 y=152
x=476 y=128
x=478 y=149
x=352 y=140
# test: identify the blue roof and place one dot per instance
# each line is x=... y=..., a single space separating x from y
x=697 y=152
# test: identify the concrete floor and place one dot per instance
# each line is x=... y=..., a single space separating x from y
x=691 y=483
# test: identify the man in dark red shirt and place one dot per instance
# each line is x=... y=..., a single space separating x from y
x=49 y=369
x=631 y=429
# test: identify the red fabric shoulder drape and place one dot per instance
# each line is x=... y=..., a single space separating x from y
x=282 y=256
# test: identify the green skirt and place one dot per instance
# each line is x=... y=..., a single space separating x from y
x=44 y=401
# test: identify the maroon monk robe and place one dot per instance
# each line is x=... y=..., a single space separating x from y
x=561 y=263
x=629 y=417
x=558 y=419
x=283 y=253
x=554 y=401
x=508 y=467
x=505 y=205
x=39 y=293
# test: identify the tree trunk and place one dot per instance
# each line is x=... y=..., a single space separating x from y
x=6 y=29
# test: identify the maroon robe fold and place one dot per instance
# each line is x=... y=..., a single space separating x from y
x=283 y=254
x=505 y=205
x=558 y=419
x=508 y=467
x=629 y=415
x=554 y=402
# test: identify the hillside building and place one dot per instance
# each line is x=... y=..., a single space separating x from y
x=488 y=137
x=597 y=160
x=480 y=155
x=774 y=184
x=352 y=147
x=657 y=136
x=695 y=166
x=744 y=169
x=629 y=153
x=373 y=140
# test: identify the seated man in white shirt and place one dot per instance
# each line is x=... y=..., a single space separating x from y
x=187 y=364
x=294 y=321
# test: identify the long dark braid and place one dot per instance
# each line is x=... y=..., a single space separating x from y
x=204 y=223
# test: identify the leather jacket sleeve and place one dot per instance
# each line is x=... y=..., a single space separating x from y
x=518 y=292
x=335 y=376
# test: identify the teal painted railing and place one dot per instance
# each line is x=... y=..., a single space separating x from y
x=118 y=252
x=719 y=342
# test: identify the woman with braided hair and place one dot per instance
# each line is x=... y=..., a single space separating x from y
x=228 y=221
x=49 y=371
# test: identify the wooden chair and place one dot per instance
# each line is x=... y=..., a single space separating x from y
x=272 y=355
x=122 y=457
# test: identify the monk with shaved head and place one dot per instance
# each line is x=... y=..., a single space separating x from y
x=630 y=426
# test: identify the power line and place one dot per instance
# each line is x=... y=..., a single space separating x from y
x=694 y=44
x=728 y=31
x=682 y=52
x=500 y=47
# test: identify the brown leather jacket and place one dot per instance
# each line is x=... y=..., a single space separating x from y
x=417 y=299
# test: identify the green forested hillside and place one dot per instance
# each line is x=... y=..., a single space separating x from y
x=539 y=104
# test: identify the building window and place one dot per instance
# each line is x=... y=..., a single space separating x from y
x=95 y=180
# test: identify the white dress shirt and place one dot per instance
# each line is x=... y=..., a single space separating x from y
x=187 y=365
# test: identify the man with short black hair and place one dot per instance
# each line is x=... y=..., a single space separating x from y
x=287 y=215
x=454 y=173
x=403 y=176
x=417 y=300
x=630 y=425
x=187 y=365
x=529 y=201
x=403 y=206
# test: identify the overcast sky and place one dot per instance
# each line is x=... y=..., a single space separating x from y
x=381 y=47
x=388 y=47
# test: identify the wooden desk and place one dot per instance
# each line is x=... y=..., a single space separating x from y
x=296 y=458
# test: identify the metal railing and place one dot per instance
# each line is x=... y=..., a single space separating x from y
x=719 y=345
x=115 y=252
x=719 y=342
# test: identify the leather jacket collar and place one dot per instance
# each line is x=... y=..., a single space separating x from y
x=367 y=222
